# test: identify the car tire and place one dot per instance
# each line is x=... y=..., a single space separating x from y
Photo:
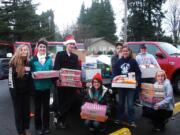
x=177 y=84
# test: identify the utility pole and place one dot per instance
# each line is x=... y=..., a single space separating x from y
x=125 y=20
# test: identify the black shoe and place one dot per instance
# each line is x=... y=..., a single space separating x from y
x=156 y=129
x=47 y=131
x=39 y=132
x=91 y=129
x=62 y=125
x=138 y=104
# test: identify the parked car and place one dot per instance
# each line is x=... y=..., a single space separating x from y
x=6 y=50
x=167 y=56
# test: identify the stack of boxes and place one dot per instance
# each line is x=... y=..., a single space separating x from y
x=69 y=78
x=151 y=94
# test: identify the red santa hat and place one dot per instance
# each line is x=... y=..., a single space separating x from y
x=69 y=39
x=98 y=77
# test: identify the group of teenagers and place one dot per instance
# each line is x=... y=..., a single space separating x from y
x=22 y=86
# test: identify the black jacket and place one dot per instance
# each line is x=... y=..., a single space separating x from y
x=20 y=85
x=62 y=60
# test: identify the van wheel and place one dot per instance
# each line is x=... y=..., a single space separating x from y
x=177 y=84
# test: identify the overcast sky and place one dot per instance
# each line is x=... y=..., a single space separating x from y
x=67 y=11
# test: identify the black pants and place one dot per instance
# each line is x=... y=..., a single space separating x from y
x=21 y=103
x=66 y=97
x=158 y=117
x=42 y=114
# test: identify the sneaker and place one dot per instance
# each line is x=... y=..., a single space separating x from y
x=138 y=104
x=62 y=125
x=117 y=122
x=47 y=131
x=39 y=132
x=91 y=129
x=133 y=124
x=27 y=132
x=156 y=129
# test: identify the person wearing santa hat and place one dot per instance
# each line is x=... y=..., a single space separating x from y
x=65 y=59
x=97 y=93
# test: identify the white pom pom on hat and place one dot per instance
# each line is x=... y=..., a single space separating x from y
x=69 y=39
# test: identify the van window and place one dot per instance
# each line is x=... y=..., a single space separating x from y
x=135 y=48
x=4 y=49
x=152 y=49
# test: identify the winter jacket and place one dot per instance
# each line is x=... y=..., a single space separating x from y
x=62 y=60
x=168 y=102
x=42 y=84
x=126 y=65
x=20 y=85
x=114 y=60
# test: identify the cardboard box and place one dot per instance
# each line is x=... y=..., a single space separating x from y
x=93 y=117
x=70 y=72
x=81 y=54
x=93 y=108
x=123 y=85
x=68 y=78
x=45 y=74
x=76 y=84
x=93 y=111
x=151 y=94
x=148 y=72
x=87 y=74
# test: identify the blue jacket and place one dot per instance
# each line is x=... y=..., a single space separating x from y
x=42 y=84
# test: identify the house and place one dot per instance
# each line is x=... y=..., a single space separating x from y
x=96 y=45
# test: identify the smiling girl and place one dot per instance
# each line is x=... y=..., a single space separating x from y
x=20 y=85
x=162 y=110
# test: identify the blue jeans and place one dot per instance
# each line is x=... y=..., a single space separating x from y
x=129 y=94
x=92 y=123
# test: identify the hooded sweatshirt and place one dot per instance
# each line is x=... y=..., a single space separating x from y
x=126 y=65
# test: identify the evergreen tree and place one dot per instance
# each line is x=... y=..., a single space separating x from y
x=21 y=23
x=144 y=19
x=98 y=20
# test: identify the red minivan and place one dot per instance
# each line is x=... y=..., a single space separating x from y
x=167 y=56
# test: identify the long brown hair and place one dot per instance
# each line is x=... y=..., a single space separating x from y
x=130 y=51
x=18 y=62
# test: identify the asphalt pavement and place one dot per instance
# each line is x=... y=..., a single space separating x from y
x=76 y=125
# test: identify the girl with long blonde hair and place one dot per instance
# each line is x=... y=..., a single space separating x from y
x=20 y=85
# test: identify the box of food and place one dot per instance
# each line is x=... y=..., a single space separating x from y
x=45 y=74
x=93 y=117
x=76 y=84
x=93 y=111
x=122 y=81
x=68 y=78
x=148 y=71
x=151 y=94
x=70 y=72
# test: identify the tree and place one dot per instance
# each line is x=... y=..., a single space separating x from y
x=98 y=20
x=20 y=22
x=144 y=19
x=173 y=19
